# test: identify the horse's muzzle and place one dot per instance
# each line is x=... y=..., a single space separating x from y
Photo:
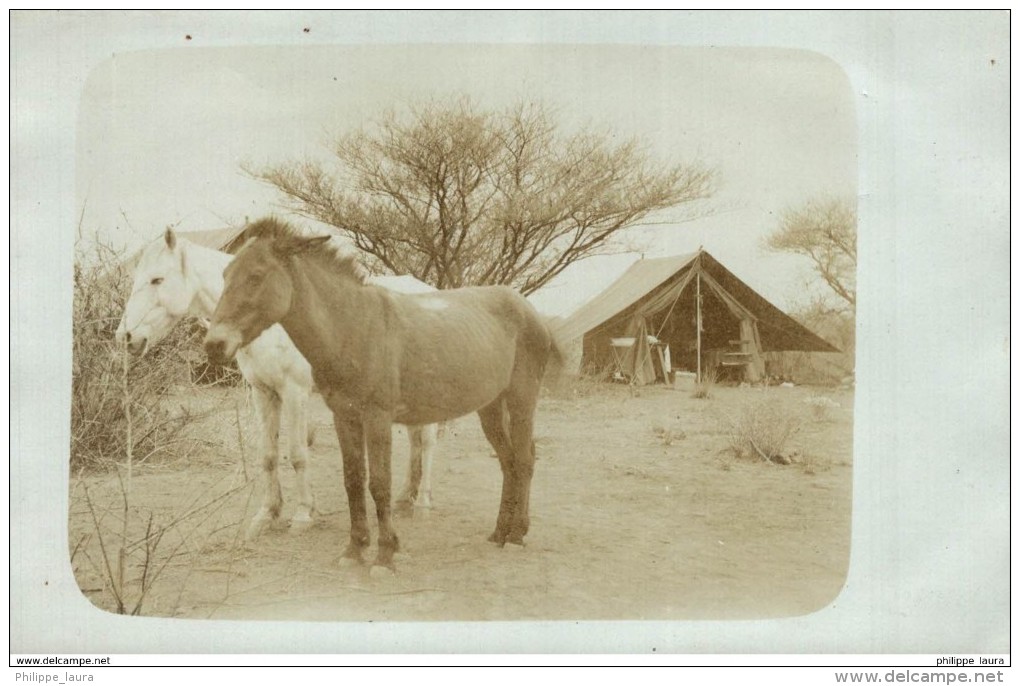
x=220 y=346
x=136 y=345
x=216 y=351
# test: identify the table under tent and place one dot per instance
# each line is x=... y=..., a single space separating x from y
x=685 y=314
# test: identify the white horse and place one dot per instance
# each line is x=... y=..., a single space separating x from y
x=175 y=279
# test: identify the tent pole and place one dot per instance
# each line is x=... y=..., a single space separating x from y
x=698 y=322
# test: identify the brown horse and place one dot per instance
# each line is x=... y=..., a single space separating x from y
x=381 y=357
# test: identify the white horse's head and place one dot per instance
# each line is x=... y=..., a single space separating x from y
x=160 y=296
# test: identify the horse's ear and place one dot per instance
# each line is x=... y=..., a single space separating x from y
x=170 y=237
x=292 y=245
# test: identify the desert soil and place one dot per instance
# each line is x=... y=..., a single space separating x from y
x=640 y=509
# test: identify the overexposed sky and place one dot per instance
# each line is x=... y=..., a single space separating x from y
x=162 y=133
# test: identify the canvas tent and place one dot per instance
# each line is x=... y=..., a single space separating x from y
x=228 y=239
x=231 y=239
x=645 y=325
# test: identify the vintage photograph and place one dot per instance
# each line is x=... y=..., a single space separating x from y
x=604 y=337
x=464 y=333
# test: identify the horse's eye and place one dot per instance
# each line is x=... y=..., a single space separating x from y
x=158 y=280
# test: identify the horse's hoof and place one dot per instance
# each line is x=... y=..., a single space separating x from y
x=255 y=530
x=279 y=525
x=382 y=570
x=350 y=562
x=499 y=537
x=352 y=556
x=404 y=508
x=300 y=525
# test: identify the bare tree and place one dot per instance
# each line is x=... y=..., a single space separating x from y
x=826 y=232
x=459 y=196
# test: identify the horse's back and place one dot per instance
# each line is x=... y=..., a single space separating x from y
x=493 y=315
x=513 y=309
x=458 y=350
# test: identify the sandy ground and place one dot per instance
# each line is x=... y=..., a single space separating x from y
x=639 y=510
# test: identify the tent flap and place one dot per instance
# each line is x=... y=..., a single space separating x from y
x=637 y=362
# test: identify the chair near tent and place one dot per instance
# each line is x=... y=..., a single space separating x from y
x=682 y=313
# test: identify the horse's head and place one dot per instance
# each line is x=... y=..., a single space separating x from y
x=160 y=295
x=257 y=293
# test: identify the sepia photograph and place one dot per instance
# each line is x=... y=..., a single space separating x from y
x=440 y=332
x=391 y=243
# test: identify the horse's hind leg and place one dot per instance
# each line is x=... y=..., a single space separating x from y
x=409 y=495
x=522 y=429
x=429 y=439
x=267 y=409
x=494 y=424
x=295 y=412
x=417 y=492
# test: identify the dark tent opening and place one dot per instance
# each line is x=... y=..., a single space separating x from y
x=644 y=327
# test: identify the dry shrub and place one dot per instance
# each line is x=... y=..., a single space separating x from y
x=808 y=368
x=102 y=284
x=590 y=382
x=703 y=388
x=761 y=429
x=668 y=435
x=821 y=406
x=122 y=548
x=122 y=415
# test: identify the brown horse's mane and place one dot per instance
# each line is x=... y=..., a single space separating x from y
x=274 y=229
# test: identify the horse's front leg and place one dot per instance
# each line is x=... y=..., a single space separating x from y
x=379 y=437
x=267 y=410
x=352 y=448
